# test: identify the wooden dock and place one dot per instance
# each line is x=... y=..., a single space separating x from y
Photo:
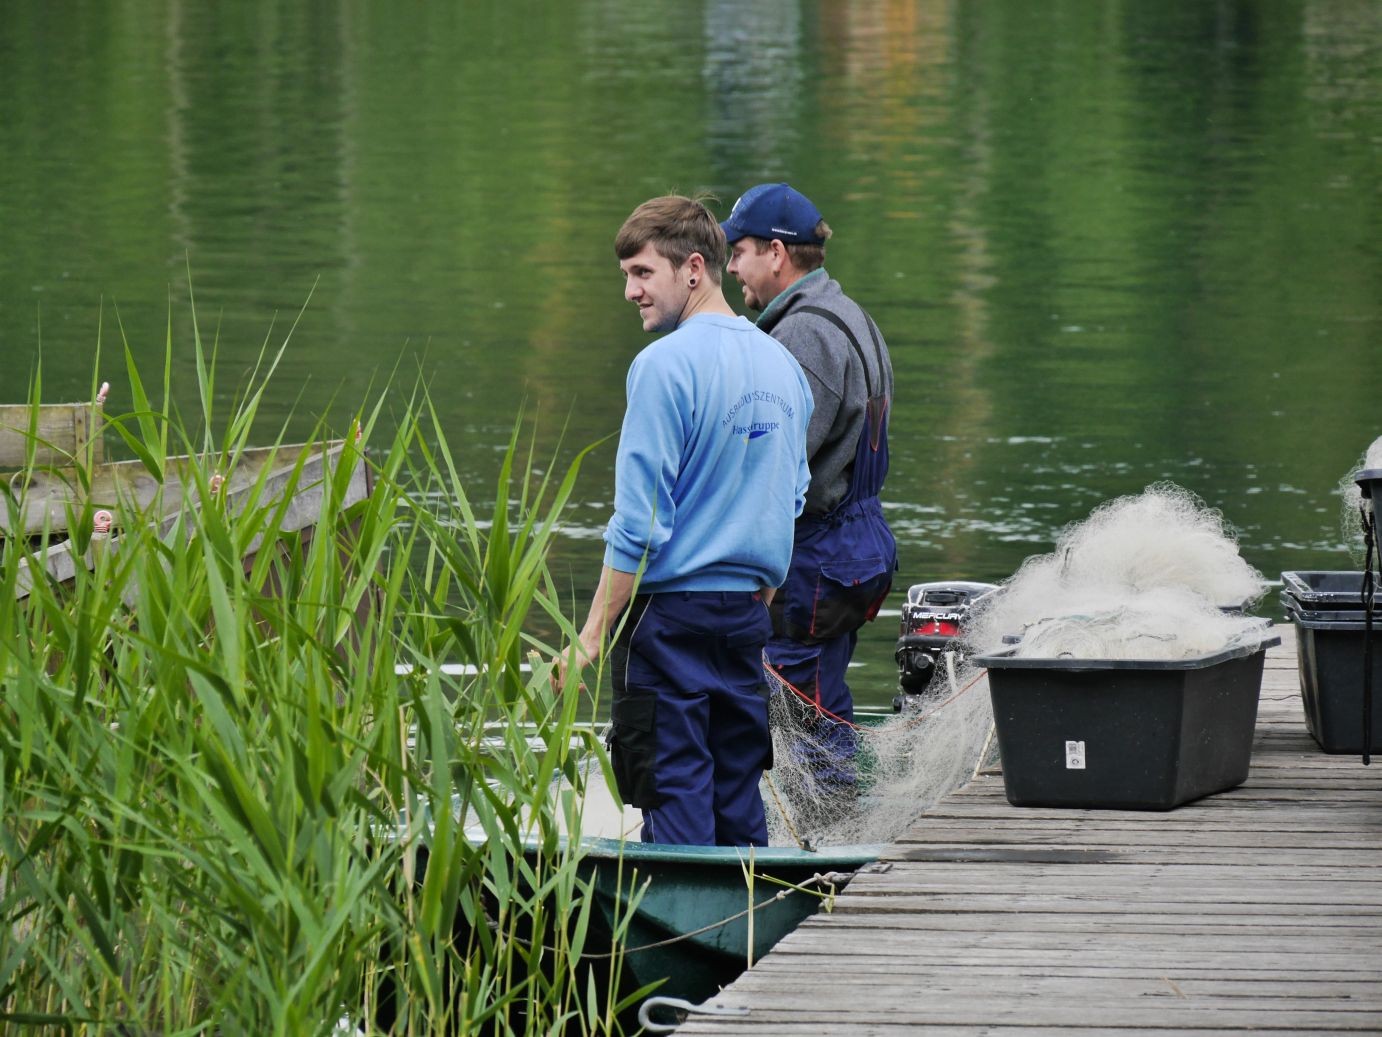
x=1257 y=910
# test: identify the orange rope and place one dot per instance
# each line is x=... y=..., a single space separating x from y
x=822 y=711
x=977 y=678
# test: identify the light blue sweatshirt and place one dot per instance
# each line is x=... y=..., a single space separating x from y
x=711 y=471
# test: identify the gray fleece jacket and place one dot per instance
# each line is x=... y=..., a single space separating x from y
x=837 y=379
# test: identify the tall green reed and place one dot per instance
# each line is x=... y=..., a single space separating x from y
x=221 y=808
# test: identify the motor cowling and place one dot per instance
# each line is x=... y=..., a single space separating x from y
x=932 y=624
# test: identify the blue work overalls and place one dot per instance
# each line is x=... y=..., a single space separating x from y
x=841 y=570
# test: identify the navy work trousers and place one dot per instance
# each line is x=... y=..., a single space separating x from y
x=690 y=739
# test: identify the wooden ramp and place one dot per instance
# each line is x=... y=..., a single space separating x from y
x=292 y=479
x=1257 y=910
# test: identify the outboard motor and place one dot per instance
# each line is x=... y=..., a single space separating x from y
x=932 y=621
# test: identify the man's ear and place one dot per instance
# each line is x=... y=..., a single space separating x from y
x=694 y=266
x=781 y=258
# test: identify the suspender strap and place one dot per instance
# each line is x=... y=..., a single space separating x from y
x=835 y=319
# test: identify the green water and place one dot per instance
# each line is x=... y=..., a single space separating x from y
x=1108 y=243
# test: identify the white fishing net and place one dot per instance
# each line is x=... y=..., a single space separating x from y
x=1144 y=577
x=1164 y=623
x=1351 y=516
x=900 y=766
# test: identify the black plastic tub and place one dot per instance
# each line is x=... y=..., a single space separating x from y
x=1125 y=734
x=1369 y=480
x=1323 y=591
x=1331 y=677
x=1329 y=614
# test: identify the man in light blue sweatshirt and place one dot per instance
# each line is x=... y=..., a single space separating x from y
x=710 y=476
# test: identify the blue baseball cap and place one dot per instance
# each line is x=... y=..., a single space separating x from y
x=770 y=211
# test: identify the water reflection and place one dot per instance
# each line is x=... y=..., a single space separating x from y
x=754 y=78
x=1109 y=243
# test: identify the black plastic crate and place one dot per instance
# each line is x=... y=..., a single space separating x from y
x=1329 y=614
x=1331 y=677
x=1125 y=734
x=1369 y=480
x=1323 y=591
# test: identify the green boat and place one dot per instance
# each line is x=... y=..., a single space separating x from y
x=708 y=912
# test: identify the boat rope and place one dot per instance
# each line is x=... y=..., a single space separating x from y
x=984 y=752
x=829 y=878
x=782 y=812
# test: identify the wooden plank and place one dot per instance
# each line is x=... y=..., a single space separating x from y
x=1097 y=1017
x=918 y=960
x=955 y=986
x=1037 y=905
x=59 y=433
x=1308 y=816
x=1360 y=938
x=793 y=1027
x=873 y=963
x=1131 y=836
x=1018 y=855
x=1022 y=928
x=1162 y=888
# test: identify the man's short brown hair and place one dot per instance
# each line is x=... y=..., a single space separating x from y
x=805 y=256
x=676 y=226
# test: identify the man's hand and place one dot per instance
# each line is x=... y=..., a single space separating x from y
x=577 y=653
x=611 y=596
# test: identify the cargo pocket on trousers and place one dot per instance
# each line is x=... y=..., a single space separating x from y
x=633 y=750
x=848 y=595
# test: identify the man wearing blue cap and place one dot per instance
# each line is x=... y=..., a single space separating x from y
x=844 y=554
x=709 y=478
